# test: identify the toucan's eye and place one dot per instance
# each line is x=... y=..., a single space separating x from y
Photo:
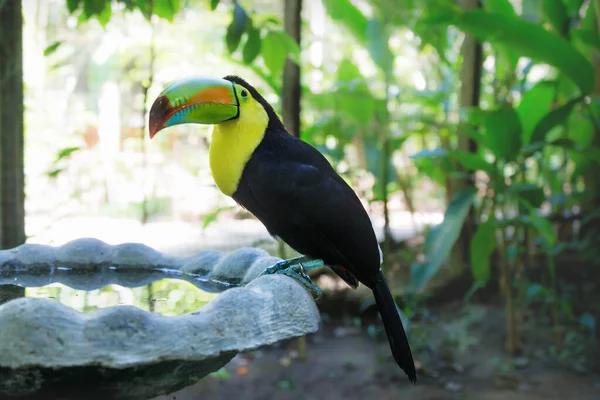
x=244 y=93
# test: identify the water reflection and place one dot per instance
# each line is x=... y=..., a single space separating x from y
x=165 y=297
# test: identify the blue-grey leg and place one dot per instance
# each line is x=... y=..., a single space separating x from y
x=295 y=268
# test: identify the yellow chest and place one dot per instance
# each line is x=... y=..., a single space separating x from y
x=232 y=146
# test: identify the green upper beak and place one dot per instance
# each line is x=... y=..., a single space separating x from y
x=194 y=100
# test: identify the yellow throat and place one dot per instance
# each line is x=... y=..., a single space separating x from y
x=233 y=143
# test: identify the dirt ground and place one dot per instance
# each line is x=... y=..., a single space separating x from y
x=458 y=352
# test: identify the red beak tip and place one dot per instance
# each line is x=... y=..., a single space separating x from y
x=153 y=130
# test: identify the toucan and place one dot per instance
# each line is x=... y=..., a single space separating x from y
x=285 y=183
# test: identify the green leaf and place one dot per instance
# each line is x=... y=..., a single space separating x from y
x=66 y=152
x=581 y=130
x=499 y=6
x=54 y=173
x=144 y=7
x=72 y=5
x=377 y=44
x=52 y=48
x=553 y=119
x=236 y=28
x=533 y=194
x=346 y=14
x=556 y=12
x=166 y=9
x=536 y=103
x=349 y=97
x=104 y=17
x=276 y=47
x=429 y=153
x=587 y=36
x=507 y=57
x=530 y=40
x=574 y=5
x=441 y=239
x=349 y=73
x=252 y=47
x=482 y=246
x=212 y=217
x=535 y=291
x=543 y=227
x=130 y=5
x=588 y=321
x=214 y=4
x=94 y=7
x=354 y=108
x=472 y=161
x=373 y=155
x=503 y=133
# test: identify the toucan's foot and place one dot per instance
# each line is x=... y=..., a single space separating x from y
x=295 y=268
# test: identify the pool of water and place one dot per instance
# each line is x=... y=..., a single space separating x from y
x=165 y=297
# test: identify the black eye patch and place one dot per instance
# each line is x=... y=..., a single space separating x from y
x=244 y=93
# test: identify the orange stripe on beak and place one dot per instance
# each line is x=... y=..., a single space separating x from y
x=217 y=95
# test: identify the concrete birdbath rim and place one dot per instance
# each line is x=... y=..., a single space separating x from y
x=44 y=335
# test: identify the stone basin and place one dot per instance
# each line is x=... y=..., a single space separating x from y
x=48 y=350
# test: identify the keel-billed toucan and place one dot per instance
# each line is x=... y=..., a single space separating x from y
x=287 y=184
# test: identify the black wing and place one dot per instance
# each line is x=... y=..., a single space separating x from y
x=305 y=203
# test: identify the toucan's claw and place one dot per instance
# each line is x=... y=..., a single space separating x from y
x=294 y=268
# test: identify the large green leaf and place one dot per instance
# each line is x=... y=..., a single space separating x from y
x=553 y=119
x=558 y=15
x=473 y=161
x=483 y=244
x=586 y=36
x=166 y=8
x=574 y=5
x=581 y=130
x=350 y=96
x=530 y=40
x=536 y=103
x=544 y=227
x=72 y=5
x=507 y=56
x=373 y=155
x=533 y=194
x=94 y=7
x=499 y=6
x=252 y=47
x=352 y=105
x=236 y=28
x=503 y=133
x=440 y=240
x=377 y=44
x=105 y=16
x=276 y=47
x=429 y=153
x=346 y=14
x=470 y=161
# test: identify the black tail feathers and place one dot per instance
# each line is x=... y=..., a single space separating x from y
x=393 y=328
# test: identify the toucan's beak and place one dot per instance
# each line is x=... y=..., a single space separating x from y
x=195 y=101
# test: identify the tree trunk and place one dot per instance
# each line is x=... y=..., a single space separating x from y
x=291 y=91
x=456 y=274
x=591 y=178
x=470 y=75
x=291 y=73
x=12 y=192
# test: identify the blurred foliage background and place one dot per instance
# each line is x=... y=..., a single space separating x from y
x=469 y=128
